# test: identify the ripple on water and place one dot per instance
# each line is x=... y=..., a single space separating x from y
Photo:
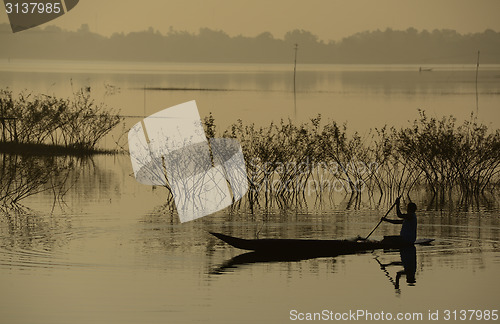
x=29 y=240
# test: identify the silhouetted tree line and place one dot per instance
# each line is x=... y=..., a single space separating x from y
x=388 y=46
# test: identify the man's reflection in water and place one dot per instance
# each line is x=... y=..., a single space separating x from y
x=408 y=261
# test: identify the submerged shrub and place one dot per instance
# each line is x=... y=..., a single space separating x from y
x=435 y=153
x=25 y=176
x=42 y=119
x=465 y=156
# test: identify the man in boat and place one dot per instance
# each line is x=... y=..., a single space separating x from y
x=408 y=233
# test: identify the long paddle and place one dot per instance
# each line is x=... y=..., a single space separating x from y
x=380 y=221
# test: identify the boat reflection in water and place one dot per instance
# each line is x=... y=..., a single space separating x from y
x=407 y=253
x=262 y=257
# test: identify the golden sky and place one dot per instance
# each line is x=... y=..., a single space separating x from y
x=329 y=19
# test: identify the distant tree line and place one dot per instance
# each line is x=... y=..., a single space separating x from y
x=378 y=47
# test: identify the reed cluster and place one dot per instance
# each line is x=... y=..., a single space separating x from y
x=466 y=157
x=77 y=123
x=286 y=162
x=25 y=176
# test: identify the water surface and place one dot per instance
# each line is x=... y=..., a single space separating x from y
x=110 y=251
x=364 y=96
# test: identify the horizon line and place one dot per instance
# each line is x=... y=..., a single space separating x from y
x=86 y=27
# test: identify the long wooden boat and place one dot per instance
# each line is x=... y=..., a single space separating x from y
x=307 y=247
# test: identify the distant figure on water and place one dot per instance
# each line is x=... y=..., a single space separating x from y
x=408 y=232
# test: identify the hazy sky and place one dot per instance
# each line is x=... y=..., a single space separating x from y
x=329 y=19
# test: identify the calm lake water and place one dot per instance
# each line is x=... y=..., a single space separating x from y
x=364 y=96
x=112 y=252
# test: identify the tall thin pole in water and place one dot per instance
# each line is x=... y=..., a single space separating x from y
x=294 y=78
x=144 y=100
x=477 y=94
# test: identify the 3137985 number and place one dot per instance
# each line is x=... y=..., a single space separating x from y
x=470 y=315
x=33 y=8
